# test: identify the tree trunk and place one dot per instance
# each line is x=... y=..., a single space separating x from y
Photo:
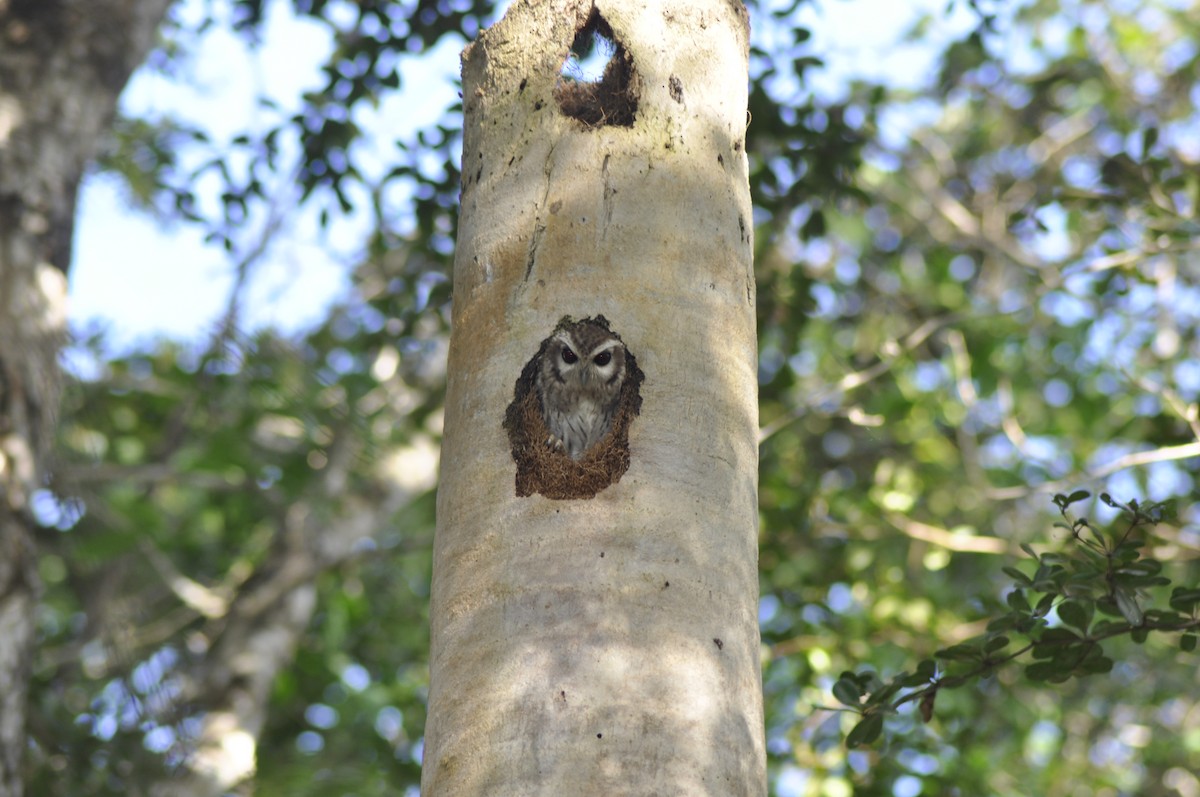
x=62 y=65
x=594 y=621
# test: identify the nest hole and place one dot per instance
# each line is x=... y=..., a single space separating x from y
x=549 y=471
x=598 y=82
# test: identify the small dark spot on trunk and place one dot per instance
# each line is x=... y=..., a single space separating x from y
x=675 y=86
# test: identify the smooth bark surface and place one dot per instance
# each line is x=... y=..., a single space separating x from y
x=605 y=645
x=62 y=66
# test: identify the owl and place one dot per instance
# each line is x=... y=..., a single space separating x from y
x=579 y=384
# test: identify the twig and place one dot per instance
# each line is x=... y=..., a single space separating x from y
x=1164 y=454
x=190 y=592
x=948 y=539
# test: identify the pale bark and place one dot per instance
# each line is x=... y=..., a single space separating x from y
x=62 y=65
x=605 y=645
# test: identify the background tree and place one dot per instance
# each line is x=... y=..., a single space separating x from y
x=60 y=74
x=973 y=292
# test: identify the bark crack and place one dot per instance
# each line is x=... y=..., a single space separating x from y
x=535 y=241
x=609 y=193
x=539 y=226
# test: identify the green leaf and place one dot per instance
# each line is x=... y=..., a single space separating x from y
x=1016 y=599
x=1041 y=671
x=1149 y=139
x=814 y=227
x=1128 y=606
x=884 y=694
x=866 y=731
x=1059 y=636
x=1074 y=614
x=1017 y=576
x=869 y=681
x=1098 y=666
x=1184 y=599
x=1145 y=566
x=1044 y=579
x=1127 y=552
x=1187 y=643
x=1142 y=581
x=847 y=692
x=1061 y=675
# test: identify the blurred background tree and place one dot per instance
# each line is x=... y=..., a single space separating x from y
x=974 y=292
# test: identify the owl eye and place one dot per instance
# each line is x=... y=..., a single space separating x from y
x=603 y=358
x=569 y=356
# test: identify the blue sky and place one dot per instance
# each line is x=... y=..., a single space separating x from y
x=139 y=277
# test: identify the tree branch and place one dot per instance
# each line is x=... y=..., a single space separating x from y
x=1164 y=454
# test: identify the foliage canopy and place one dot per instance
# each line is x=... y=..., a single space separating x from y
x=976 y=297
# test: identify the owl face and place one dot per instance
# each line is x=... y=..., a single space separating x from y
x=579 y=384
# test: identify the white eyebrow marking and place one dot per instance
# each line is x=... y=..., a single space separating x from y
x=605 y=346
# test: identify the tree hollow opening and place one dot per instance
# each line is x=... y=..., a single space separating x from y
x=598 y=83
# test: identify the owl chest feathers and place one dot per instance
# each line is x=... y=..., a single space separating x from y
x=582 y=426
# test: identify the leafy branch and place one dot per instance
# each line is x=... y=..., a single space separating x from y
x=1104 y=586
